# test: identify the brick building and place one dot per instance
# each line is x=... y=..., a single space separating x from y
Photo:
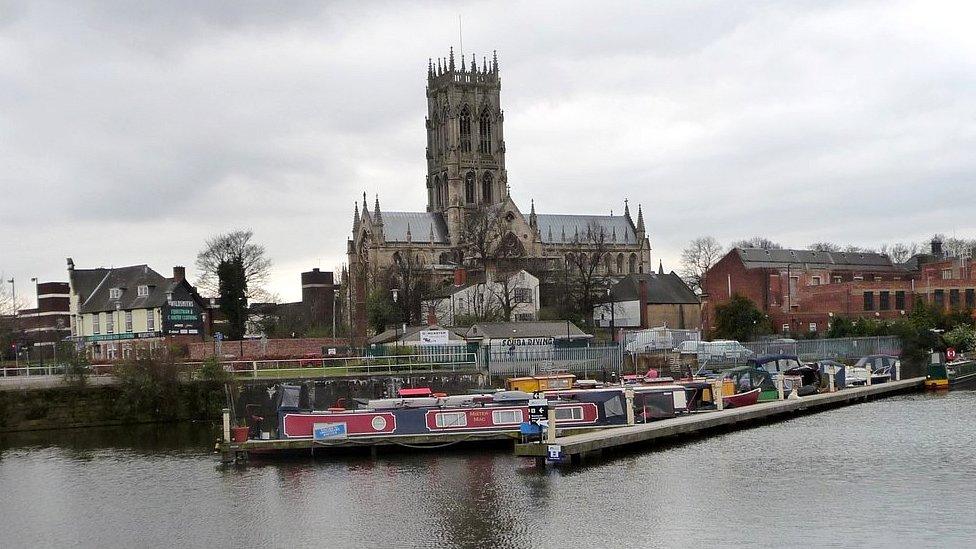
x=50 y=321
x=803 y=290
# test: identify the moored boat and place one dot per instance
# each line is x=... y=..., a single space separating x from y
x=739 y=400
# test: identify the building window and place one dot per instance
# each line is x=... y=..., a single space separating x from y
x=128 y=322
x=813 y=327
x=858 y=277
x=524 y=317
x=486 y=184
x=96 y=323
x=465 y=126
x=815 y=281
x=114 y=293
x=633 y=263
x=884 y=301
x=900 y=300
x=954 y=298
x=946 y=274
x=939 y=298
x=109 y=323
x=484 y=132
x=523 y=295
x=569 y=413
x=451 y=419
x=620 y=263
x=837 y=280
x=150 y=320
x=868 y=301
x=469 y=196
x=970 y=298
x=510 y=417
x=143 y=290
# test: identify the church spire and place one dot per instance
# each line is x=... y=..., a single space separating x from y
x=640 y=220
x=365 y=209
x=626 y=209
x=462 y=64
x=532 y=218
x=660 y=267
x=474 y=64
x=431 y=235
x=450 y=62
x=430 y=67
x=409 y=236
x=494 y=61
x=376 y=210
x=355 y=217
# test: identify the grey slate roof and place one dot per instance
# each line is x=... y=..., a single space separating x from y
x=395 y=226
x=661 y=289
x=128 y=279
x=412 y=335
x=558 y=228
x=754 y=258
x=84 y=281
x=556 y=329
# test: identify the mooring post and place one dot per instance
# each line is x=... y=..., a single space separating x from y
x=867 y=368
x=226 y=414
x=897 y=370
x=629 y=396
x=717 y=392
x=779 y=386
x=551 y=427
x=830 y=382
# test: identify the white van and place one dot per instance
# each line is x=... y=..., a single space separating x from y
x=723 y=349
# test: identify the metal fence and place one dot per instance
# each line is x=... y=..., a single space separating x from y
x=844 y=348
x=657 y=339
x=502 y=360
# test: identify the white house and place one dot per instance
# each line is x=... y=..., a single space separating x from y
x=515 y=298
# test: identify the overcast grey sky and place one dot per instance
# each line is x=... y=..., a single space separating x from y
x=131 y=131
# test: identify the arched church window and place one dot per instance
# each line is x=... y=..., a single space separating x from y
x=633 y=263
x=465 y=127
x=486 y=183
x=607 y=263
x=445 y=259
x=570 y=259
x=437 y=192
x=484 y=131
x=620 y=263
x=469 y=195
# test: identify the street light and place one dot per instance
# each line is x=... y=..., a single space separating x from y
x=613 y=307
x=396 y=327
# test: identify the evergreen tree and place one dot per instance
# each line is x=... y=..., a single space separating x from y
x=739 y=319
x=232 y=284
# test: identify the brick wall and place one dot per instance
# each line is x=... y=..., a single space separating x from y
x=250 y=349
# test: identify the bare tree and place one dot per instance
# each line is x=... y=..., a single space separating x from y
x=481 y=234
x=235 y=246
x=956 y=247
x=697 y=258
x=900 y=252
x=586 y=282
x=757 y=242
x=824 y=247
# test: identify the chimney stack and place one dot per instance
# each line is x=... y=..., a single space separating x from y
x=460 y=276
x=179 y=274
x=937 y=247
x=71 y=264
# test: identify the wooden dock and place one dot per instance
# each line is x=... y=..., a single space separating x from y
x=575 y=448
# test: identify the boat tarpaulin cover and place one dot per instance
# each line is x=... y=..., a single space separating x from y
x=291 y=396
x=614 y=407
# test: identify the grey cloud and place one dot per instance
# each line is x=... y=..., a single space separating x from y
x=132 y=131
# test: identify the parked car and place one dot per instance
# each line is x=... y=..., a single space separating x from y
x=689 y=347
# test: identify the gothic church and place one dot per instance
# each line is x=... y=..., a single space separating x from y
x=465 y=171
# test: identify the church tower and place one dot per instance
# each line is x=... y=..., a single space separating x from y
x=465 y=142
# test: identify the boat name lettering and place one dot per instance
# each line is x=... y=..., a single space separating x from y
x=519 y=341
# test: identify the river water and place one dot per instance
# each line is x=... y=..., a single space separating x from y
x=897 y=472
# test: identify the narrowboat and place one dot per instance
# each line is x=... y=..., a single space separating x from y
x=957 y=374
x=500 y=412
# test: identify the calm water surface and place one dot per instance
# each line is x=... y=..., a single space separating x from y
x=892 y=473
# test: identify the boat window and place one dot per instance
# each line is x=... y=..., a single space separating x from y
x=499 y=417
x=569 y=413
x=451 y=419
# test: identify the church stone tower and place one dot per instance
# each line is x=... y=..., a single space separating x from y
x=465 y=142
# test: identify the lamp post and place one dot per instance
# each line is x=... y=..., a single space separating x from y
x=613 y=307
x=335 y=300
x=13 y=292
x=396 y=326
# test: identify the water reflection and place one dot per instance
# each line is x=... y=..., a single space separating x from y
x=808 y=481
